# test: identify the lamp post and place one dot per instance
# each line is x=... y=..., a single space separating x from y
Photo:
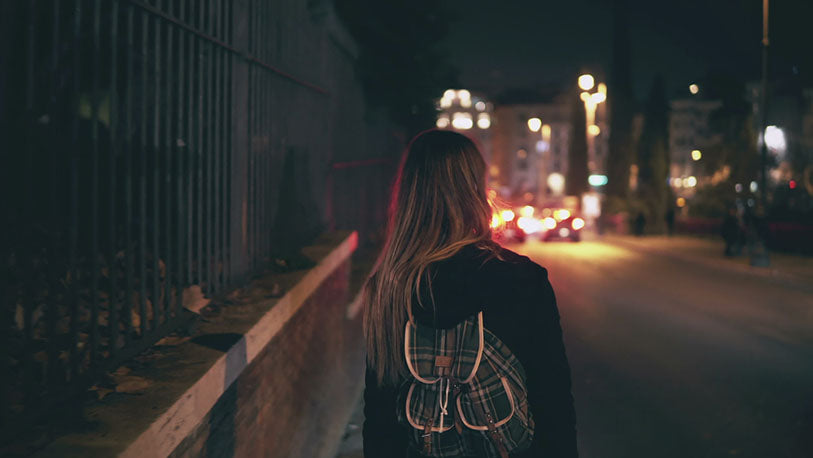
x=535 y=125
x=759 y=253
x=591 y=102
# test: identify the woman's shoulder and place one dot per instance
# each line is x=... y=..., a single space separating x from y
x=511 y=266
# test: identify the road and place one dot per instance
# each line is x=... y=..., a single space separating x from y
x=672 y=358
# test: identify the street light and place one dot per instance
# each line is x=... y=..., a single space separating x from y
x=591 y=102
x=586 y=82
x=542 y=146
x=775 y=139
x=759 y=254
x=696 y=155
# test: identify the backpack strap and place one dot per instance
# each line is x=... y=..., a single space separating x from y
x=458 y=425
x=495 y=438
x=492 y=431
x=410 y=315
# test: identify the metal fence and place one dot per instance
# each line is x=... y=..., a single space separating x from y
x=151 y=147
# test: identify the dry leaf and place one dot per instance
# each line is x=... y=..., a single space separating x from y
x=131 y=384
x=171 y=341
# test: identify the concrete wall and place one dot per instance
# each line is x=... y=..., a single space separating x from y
x=295 y=397
x=272 y=369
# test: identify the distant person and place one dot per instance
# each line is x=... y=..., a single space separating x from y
x=732 y=233
x=451 y=316
x=670 y=221
x=640 y=224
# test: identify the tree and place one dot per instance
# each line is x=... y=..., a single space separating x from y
x=735 y=152
x=653 y=157
x=733 y=158
x=576 y=181
x=400 y=63
x=620 y=103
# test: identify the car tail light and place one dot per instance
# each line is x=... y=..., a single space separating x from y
x=577 y=224
x=495 y=221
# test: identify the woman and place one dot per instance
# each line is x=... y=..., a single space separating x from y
x=440 y=263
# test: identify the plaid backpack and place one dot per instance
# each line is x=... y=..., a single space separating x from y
x=467 y=396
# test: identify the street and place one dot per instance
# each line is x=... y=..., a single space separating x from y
x=676 y=359
x=673 y=358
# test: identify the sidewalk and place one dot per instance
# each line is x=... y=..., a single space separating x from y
x=793 y=269
x=352 y=446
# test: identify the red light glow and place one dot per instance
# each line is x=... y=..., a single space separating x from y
x=792 y=184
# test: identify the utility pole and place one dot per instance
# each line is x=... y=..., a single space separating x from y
x=759 y=253
x=764 y=103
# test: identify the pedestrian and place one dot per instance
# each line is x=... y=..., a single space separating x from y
x=640 y=224
x=439 y=280
x=670 y=221
x=731 y=232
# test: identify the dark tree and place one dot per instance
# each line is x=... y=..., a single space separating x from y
x=620 y=104
x=653 y=156
x=735 y=155
x=400 y=63
x=576 y=180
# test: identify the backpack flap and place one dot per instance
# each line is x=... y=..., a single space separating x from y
x=455 y=353
x=492 y=401
x=423 y=407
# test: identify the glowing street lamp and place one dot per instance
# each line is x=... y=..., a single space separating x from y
x=586 y=82
x=775 y=139
x=534 y=124
x=696 y=155
x=591 y=102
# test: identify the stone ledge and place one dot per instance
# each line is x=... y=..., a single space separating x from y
x=186 y=380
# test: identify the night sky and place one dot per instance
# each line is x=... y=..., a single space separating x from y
x=522 y=43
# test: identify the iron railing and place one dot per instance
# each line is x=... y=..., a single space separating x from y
x=151 y=147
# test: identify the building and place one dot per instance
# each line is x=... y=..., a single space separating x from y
x=524 y=160
x=470 y=114
x=531 y=140
x=689 y=135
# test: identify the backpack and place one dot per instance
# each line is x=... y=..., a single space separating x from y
x=467 y=394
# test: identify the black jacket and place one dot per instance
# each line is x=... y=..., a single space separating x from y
x=520 y=309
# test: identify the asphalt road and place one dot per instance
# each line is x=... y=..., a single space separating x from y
x=672 y=358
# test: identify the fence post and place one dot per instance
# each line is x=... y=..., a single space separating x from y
x=238 y=217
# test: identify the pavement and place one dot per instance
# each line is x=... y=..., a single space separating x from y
x=677 y=351
x=794 y=269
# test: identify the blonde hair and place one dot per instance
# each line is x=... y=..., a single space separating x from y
x=438 y=206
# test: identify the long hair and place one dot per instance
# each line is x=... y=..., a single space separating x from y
x=439 y=205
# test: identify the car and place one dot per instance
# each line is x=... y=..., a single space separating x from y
x=562 y=225
x=504 y=227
